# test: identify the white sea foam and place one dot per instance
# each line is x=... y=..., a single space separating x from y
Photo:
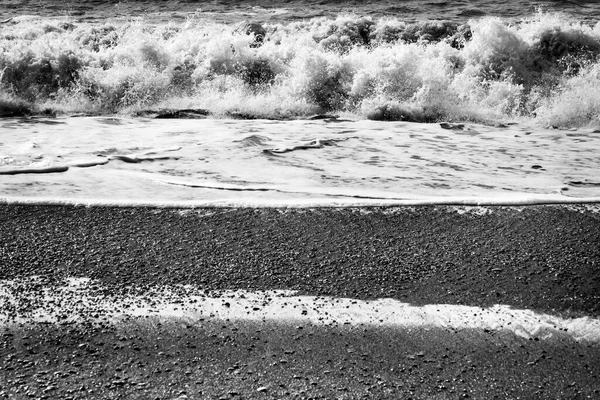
x=542 y=68
x=211 y=162
x=83 y=299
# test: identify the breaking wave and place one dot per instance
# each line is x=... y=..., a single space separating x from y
x=544 y=68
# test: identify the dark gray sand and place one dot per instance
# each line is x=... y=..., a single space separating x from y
x=545 y=258
x=212 y=359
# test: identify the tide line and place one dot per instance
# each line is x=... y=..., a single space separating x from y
x=85 y=300
x=319 y=201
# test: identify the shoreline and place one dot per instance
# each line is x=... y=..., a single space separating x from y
x=352 y=202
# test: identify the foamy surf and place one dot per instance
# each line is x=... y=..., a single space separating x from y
x=541 y=67
x=212 y=162
x=84 y=300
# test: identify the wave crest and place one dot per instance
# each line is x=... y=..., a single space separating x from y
x=486 y=70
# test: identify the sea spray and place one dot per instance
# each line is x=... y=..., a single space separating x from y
x=543 y=67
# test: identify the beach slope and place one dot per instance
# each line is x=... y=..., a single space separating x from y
x=169 y=263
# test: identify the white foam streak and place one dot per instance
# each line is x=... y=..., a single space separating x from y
x=305 y=203
x=80 y=300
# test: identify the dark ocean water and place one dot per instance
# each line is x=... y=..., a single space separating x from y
x=236 y=10
x=395 y=60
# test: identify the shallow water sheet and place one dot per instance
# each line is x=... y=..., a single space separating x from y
x=309 y=162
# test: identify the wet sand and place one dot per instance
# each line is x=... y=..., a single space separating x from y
x=543 y=258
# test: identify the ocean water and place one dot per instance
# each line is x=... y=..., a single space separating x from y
x=328 y=102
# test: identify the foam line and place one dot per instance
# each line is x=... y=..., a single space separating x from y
x=376 y=196
x=314 y=144
x=134 y=159
x=83 y=302
x=301 y=203
x=128 y=158
x=87 y=164
x=41 y=170
x=248 y=188
x=223 y=186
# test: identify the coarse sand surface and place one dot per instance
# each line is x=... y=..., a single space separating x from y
x=544 y=258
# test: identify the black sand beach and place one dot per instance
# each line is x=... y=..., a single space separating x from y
x=544 y=258
x=144 y=359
